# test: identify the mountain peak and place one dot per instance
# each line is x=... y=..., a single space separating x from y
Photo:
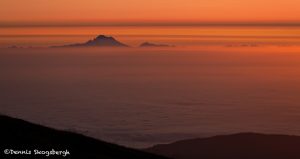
x=103 y=40
x=103 y=37
x=99 y=41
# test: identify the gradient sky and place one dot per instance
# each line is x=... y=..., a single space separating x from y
x=78 y=11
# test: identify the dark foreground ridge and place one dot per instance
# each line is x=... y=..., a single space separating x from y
x=20 y=135
x=99 y=41
x=237 y=146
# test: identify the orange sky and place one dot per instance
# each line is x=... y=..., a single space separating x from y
x=93 y=11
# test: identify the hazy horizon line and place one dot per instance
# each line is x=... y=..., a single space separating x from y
x=149 y=24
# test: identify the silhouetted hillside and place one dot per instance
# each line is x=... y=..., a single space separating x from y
x=99 y=41
x=19 y=134
x=238 y=146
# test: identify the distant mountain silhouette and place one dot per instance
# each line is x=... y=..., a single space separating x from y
x=13 y=47
x=237 y=146
x=148 y=44
x=99 y=41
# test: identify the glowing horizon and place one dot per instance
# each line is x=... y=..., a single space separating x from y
x=147 y=24
x=155 y=12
